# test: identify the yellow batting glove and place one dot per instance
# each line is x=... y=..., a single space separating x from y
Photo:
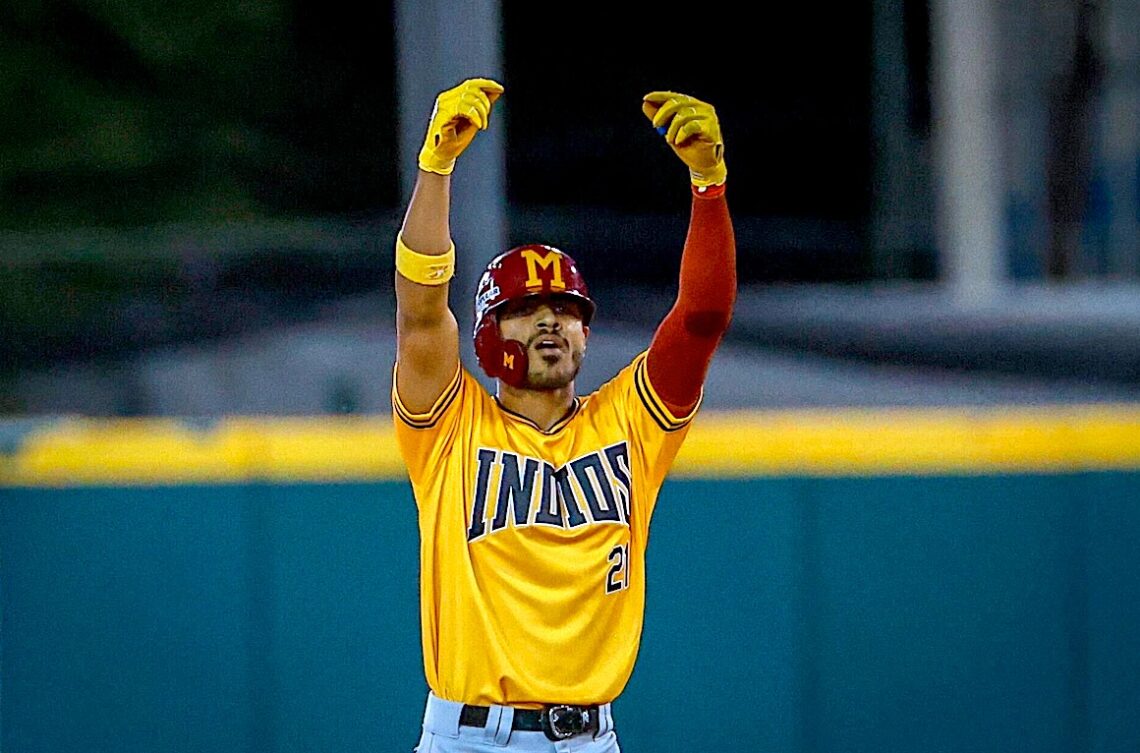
x=692 y=130
x=459 y=112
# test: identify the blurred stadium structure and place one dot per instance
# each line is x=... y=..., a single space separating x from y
x=932 y=517
x=178 y=221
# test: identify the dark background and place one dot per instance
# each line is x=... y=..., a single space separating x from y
x=128 y=116
x=793 y=95
x=130 y=120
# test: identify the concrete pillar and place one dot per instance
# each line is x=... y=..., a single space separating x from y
x=969 y=221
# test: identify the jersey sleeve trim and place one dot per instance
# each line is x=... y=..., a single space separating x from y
x=655 y=405
x=432 y=416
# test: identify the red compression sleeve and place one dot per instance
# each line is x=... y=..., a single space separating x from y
x=686 y=339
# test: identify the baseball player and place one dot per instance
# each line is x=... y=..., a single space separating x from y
x=534 y=503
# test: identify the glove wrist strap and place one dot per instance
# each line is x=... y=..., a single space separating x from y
x=429 y=162
x=714 y=176
x=708 y=192
x=426 y=269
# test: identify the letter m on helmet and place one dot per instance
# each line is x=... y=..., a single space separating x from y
x=550 y=260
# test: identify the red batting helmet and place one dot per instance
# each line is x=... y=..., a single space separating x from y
x=533 y=269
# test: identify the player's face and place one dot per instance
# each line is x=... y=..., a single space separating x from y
x=551 y=329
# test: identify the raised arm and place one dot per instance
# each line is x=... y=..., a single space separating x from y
x=686 y=339
x=427 y=336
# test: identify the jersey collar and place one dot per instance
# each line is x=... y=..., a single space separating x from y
x=558 y=426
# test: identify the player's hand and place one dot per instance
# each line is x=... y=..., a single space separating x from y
x=692 y=130
x=459 y=112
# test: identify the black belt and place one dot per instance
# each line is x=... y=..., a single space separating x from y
x=558 y=722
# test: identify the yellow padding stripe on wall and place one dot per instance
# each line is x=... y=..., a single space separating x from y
x=922 y=441
x=157 y=451
x=845 y=442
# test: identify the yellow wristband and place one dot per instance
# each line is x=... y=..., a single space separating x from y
x=426 y=269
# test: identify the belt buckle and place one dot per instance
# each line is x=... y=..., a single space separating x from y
x=561 y=722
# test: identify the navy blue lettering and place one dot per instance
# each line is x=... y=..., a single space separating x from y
x=618 y=457
x=549 y=511
x=582 y=466
x=514 y=491
x=479 y=505
x=566 y=495
x=596 y=487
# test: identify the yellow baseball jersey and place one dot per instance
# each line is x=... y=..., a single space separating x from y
x=532 y=558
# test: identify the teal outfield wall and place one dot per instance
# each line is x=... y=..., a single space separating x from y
x=957 y=613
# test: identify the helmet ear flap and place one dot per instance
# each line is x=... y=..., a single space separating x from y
x=515 y=363
x=500 y=359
